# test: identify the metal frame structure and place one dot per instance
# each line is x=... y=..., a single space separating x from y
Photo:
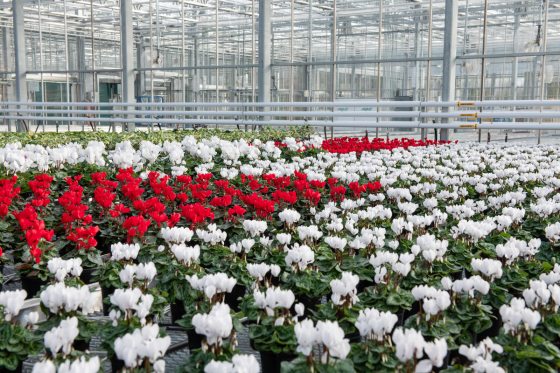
x=350 y=114
x=243 y=51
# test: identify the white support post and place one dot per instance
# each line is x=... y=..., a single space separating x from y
x=127 y=59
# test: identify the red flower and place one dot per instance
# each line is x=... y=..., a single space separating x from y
x=289 y=197
x=312 y=196
x=224 y=201
x=8 y=191
x=318 y=184
x=356 y=188
x=263 y=207
x=136 y=226
x=104 y=197
x=236 y=211
x=40 y=186
x=338 y=192
x=196 y=213
x=173 y=219
x=118 y=210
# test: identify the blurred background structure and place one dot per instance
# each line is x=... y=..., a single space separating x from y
x=158 y=52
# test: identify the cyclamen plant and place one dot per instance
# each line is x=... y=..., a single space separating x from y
x=22 y=341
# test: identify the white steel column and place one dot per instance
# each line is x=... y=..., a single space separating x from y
x=265 y=52
x=449 y=57
x=127 y=58
x=20 y=58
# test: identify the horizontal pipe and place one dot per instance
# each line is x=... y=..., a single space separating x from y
x=547 y=114
x=315 y=123
x=349 y=103
x=362 y=114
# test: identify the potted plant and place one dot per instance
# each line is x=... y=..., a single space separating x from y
x=68 y=297
x=330 y=339
x=375 y=351
x=18 y=340
x=31 y=255
x=108 y=273
x=131 y=310
x=175 y=261
x=271 y=331
x=205 y=293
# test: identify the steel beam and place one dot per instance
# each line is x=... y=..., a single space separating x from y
x=449 y=56
x=20 y=57
x=127 y=57
x=265 y=49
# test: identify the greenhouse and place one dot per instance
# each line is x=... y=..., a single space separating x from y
x=298 y=186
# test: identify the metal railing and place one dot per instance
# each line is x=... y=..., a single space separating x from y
x=510 y=115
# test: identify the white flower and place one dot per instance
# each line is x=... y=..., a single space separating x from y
x=218 y=367
x=289 y=216
x=31 y=318
x=145 y=343
x=300 y=309
x=245 y=364
x=159 y=366
x=186 y=254
x=284 y=238
x=311 y=233
x=212 y=284
x=176 y=235
x=434 y=300
x=488 y=267
x=126 y=275
x=274 y=298
x=81 y=365
x=133 y=300
x=61 y=338
x=12 y=302
x=44 y=366
x=552 y=232
x=306 y=335
x=299 y=256
x=254 y=227
x=436 y=352
x=409 y=343
x=60 y=267
x=146 y=271
x=470 y=285
x=336 y=243
x=215 y=325
x=344 y=289
x=120 y=251
x=516 y=315
x=332 y=337
x=212 y=236
x=59 y=297
x=375 y=325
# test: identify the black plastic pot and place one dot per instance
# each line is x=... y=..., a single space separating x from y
x=271 y=362
x=18 y=369
x=80 y=345
x=32 y=285
x=177 y=311
x=194 y=340
x=363 y=284
x=105 y=293
x=116 y=364
x=405 y=314
x=310 y=303
x=493 y=331
x=354 y=337
x=87 y=275
x=232 y=299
